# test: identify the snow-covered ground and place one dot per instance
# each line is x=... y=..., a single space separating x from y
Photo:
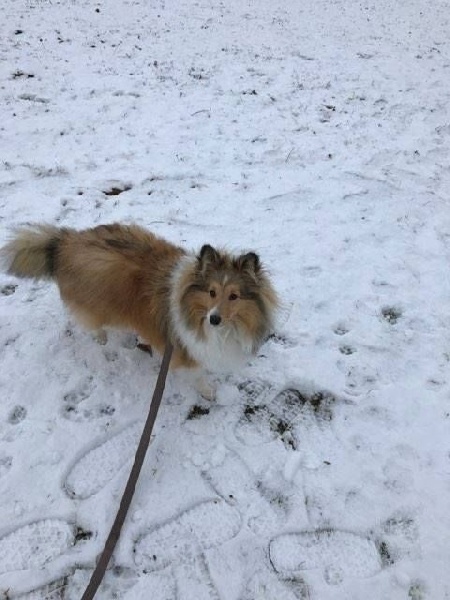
x=316 y=133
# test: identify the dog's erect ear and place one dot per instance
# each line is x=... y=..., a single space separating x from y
x=249 y=262
x=208 y=256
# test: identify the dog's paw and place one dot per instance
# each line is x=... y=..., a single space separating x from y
x=205 y=388
x=100 y=336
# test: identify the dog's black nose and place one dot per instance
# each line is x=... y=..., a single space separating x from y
x=215 y=319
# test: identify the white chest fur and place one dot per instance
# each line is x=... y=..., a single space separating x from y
x=218 y=351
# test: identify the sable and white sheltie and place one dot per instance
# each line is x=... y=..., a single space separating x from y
x=214 y=307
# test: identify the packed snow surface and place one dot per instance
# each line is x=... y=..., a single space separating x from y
x=315 y=133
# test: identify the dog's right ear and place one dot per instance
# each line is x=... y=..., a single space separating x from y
x=208 y=256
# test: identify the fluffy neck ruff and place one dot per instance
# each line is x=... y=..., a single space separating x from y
x=217 y=348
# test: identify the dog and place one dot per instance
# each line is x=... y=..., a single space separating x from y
x=214 y=307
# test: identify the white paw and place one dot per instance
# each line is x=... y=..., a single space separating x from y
x=205 y=388
x=100 y=336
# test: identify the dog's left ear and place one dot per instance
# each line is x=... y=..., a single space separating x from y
x=249 y=262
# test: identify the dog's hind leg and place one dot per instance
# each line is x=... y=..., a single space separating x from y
x=91 y=322
x=100 y=336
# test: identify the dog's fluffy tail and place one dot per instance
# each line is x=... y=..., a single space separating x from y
x=32 y=252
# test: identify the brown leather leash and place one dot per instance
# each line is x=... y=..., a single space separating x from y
x=111 y=541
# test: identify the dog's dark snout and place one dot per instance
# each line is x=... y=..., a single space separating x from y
x=215 y=319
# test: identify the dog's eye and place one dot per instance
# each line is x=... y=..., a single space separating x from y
x=212 y=293
x=233 y=296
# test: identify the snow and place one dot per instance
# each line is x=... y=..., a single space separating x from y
x=317 y=134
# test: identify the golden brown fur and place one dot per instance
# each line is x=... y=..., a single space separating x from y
x=209 y=306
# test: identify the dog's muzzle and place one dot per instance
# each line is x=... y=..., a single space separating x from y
x=215 y=319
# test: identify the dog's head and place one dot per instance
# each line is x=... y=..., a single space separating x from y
x=229 y=293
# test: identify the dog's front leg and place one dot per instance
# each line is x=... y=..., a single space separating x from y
x=197 y=379
x=204 y=386
x=192 y=373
